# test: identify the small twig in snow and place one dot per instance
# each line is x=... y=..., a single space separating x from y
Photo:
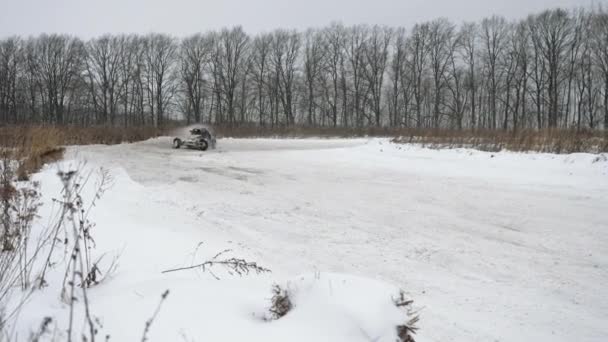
x=234 y=265
x=149 y=322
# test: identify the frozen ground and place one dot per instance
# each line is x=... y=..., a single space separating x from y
x=491 y=246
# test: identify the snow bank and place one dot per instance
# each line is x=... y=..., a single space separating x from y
x=331 y=307
x=149 y=232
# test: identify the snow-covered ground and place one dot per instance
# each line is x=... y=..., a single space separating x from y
x=491 y=246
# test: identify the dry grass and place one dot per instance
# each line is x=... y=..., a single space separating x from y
x=72 y=135
x=110 y=135
x=553 y=141
x=549 y=141
x=34 y=146
x=31 y=147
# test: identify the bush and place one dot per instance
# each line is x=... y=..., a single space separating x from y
x=26 y=259
x=280 y=303
x=19 y=204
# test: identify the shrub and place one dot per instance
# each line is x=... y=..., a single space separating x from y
x=280 y=303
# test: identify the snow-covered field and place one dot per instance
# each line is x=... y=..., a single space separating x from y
x=490 y=246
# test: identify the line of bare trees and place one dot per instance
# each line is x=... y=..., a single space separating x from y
x=549 y=70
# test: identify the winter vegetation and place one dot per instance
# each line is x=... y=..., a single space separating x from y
x=549 y=70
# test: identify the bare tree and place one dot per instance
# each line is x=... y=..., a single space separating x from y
x=229 y=63
x=519 y=51
x=11 y=59
x=576 y=48
x=599 y=41
x=314 y=54
x=160 y=62
x=131 y=85
x=376 y=53
x=419 y=52
x=355 y=52
x=57 y=61
x=335 y=37
x=195 y=54
x=469 y=39
x=494 y=36
x=399 y=92
x=552 y=34
x=456 y=83
x=103 y=71
x=285 y=51
x=442 y=44
x=260 y=70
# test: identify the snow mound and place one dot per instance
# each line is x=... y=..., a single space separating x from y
x=328 y=307
x=149 y=231
x=333 y=307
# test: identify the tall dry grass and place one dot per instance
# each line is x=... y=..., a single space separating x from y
x=549 y=141
x=552 y=141
x=34 y=146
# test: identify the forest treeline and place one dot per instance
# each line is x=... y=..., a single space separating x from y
x=549 y=70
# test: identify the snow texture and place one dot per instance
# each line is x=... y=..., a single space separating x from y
x=490 y=246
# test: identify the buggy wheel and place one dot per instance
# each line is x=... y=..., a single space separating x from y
x=177 y=143
x=204 y=145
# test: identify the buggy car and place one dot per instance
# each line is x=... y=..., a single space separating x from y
x=199 y=139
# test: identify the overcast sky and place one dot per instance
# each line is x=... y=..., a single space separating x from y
x=87 y=18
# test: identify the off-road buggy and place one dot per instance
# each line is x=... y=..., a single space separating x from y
x=199 y=139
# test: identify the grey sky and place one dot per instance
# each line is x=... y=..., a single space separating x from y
x=87 y=18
